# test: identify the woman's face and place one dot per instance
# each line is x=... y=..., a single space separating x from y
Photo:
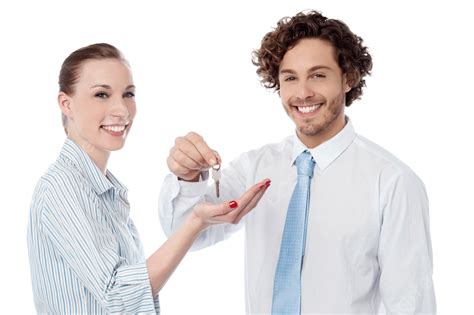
x=102 y=107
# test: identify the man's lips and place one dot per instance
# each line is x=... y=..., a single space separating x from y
x=308 y=108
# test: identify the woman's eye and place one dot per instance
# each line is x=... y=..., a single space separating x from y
x=101 y=95
x=129 y=94
x=290 y=78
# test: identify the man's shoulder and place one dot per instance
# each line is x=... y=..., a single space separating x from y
x=377 y=156
x=273 y=149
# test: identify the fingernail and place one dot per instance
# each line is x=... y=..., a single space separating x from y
x=213 y=161
x=266 y=183
x=260 y=186
x=233 y=204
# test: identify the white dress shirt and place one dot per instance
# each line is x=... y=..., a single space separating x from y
x=368 y=247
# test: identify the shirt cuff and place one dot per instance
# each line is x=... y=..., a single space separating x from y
x=133 y=286
x=191 y=189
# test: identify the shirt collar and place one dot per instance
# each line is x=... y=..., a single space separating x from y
x=325 y=153
x=75 y=155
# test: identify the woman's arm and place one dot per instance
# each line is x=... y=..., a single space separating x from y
x=164 y=261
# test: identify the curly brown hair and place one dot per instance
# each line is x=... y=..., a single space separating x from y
x=352 y=56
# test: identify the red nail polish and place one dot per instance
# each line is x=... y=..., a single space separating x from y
x=233 y=204
x=267 y=183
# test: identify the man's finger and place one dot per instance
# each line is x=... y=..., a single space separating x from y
x=181 y=171
x=187 y=147
x=202 y=147
x=185 y=160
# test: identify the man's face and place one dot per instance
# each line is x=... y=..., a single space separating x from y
x=312 y=90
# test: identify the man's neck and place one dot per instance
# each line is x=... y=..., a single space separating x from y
x=312 y=141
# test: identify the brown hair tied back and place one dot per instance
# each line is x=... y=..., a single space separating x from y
x=71 y=67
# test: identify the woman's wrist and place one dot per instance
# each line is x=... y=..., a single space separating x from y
x=196 y=223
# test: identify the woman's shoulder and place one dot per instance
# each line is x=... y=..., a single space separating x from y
x=61 y=182
x=60 y=192
x=61 y=177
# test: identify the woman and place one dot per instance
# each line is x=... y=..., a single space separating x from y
x=85 y=252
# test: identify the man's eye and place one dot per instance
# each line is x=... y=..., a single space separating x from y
x=290 y=79
x=129 y=94
x=319 y=75
x=101 y=95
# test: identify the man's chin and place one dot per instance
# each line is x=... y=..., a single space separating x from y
x=310 y=131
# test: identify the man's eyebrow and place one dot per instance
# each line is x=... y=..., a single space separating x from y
x=282 y=71
x=319 y=67
x=314 y=68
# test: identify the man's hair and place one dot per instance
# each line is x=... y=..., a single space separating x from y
x=351 y=55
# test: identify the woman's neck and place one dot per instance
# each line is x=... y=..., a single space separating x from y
x=98 y=156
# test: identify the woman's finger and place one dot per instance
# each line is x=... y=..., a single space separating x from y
x=252 y=204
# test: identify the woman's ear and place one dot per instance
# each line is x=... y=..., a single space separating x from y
x=64 y=102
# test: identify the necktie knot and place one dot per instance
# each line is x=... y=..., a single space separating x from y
x=305 y=164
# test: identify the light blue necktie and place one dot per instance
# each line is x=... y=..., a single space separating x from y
x=287 y=285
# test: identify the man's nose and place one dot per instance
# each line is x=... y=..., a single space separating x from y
x=305 y=90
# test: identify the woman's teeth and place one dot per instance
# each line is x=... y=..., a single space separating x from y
x=114 y=128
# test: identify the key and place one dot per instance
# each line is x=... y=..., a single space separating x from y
x=216 y=176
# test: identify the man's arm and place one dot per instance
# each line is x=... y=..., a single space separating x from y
x=405 y=254
x=177 y=199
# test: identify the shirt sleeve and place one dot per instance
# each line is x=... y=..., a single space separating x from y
x=118 y=286
x=405 y=254
x=177 y=199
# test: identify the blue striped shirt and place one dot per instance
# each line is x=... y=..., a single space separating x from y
x=85 y=253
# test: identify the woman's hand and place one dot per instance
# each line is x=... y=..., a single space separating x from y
x=207 y=214
x=163 y=262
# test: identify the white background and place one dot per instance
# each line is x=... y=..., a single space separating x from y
x=191 y=64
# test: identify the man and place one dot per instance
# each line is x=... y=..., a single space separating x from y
x=344 y=227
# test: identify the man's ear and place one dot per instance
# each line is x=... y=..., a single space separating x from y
x=64 y=102
x=347 y=83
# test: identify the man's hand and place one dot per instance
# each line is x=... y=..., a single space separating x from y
x=191 y=155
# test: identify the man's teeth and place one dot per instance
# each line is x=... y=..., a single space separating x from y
x=114 y=128
x=308 y=109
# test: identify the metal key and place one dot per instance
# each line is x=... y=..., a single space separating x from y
x=216 y=176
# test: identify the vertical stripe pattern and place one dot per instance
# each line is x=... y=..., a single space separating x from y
x=85 y=253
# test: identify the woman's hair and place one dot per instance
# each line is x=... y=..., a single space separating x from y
x=71 y=67
x=352 y=57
